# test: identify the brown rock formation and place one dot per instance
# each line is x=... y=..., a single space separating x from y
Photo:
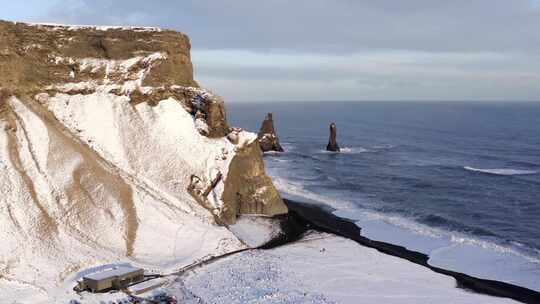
x=267 y=136
x=248 y=190
x=332 y=143
x=216 y=118
x=32 y=57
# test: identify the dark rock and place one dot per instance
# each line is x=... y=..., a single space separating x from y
x=267 y=136
x=332 y=143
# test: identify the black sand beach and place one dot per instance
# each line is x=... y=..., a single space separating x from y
x=303 y=217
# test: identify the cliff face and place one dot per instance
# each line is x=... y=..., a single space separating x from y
x=250 y=191
x=34 y=56
x=150 y=64
x=109 y=150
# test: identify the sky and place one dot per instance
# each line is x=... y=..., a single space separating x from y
x=281 y=50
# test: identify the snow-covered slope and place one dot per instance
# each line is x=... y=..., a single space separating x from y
x=65 y=208
x=109 y=152
x=321 y=268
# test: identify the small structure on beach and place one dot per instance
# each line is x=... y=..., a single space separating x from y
x=332 y=142
x=115 y=278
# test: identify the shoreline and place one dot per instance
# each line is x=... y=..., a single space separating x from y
x=304 y=216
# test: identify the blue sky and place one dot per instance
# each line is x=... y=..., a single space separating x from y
x=337 y=49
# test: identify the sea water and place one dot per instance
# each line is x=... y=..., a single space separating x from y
x=459 y=181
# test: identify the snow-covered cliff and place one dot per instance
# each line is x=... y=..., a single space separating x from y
x=110 y=151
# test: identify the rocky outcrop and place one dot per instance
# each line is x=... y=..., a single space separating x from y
x=210 y=108
x=332 y=143
x=268 y=139
x=248 y=190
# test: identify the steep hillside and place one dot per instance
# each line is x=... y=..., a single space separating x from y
x=110 y=151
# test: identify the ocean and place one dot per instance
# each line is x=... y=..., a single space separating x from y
x=459 y=181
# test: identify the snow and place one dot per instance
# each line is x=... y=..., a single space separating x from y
x=134 y=138
x=201 y=126
x=322 y=268
x=58 y=26
x=129 y=77
x=255 y=231
x=65 y=207
x=150 y=284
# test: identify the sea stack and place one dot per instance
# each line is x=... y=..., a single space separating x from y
x=332 y=143
x=267 y=136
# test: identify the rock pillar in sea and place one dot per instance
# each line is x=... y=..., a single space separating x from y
x=332 y=143
x=267 y=136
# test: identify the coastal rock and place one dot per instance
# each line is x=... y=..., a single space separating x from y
x=332 y=143
x=268 y=139
x=248 y=190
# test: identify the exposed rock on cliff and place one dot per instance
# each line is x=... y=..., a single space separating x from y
x=247 y=189
x=34 y=56
x=332 y=143
x=267 y=136
x=102 y=133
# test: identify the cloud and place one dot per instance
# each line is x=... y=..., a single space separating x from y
x=390 y=75
x=330 y=26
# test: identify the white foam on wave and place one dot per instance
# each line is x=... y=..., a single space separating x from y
x=507 y=172
x=353 y=150
x=403 y=223
x=384 y=147
x=347 y=150
x=273 y=152
x=453 y=237
x=352 y=211
x=358 y=150
x=466 y=240
x=297 y=190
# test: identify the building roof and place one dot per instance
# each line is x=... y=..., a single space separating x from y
x=116 y=271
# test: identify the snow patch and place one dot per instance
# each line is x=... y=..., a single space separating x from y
x=59 y=26
x=255 y=231
x=131 y=78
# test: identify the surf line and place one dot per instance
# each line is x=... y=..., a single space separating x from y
x=303 y=217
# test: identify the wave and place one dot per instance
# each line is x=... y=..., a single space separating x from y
x=507 y=172
x=353 y=211
x=454 y=237
x=384 y=147
x=353 y=150
x=297 y=190
x=347 y=150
